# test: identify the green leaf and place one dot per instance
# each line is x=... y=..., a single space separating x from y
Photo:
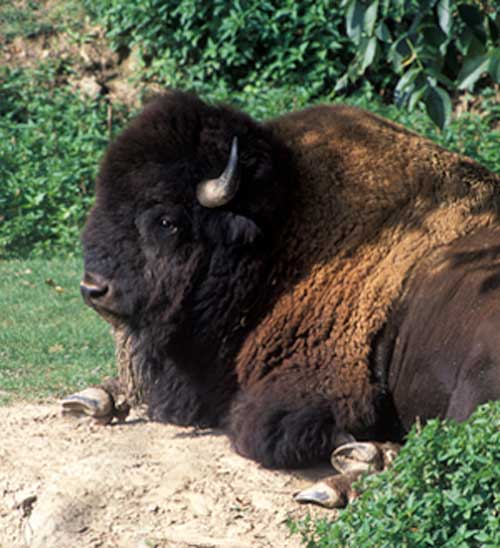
x=382 y=32
x=471 y=71
x=439 y=77
x=370 y=18
x=494 y=28
x=434 y=37
x=438 y=105
x=399 y=51
x=341 y=83
x=405 y=83
x=494 y=65
x=444 y=16
x=415 y=97
x=470 y=15
x=463 y=41
x=368 y=49
x=355 y=16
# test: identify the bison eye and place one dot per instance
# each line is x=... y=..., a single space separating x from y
x=168 y=225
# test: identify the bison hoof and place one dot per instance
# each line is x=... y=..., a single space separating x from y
x=333 y=492
x=324 y=495
x=357 y=457
x=94 y=402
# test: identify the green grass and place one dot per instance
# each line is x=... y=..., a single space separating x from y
x=25 y=19
x=50 y=343
x=31 y=18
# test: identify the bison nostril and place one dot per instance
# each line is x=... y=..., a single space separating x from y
x=93 y=291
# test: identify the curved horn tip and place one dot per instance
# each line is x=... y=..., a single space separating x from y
x=234 y=148
x=220 y=191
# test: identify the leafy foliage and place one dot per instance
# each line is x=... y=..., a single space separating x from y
x=409 y=50
x=50 y=143
x=33 y=18
x=435 y=47
x=443 y=490
x=232 y=46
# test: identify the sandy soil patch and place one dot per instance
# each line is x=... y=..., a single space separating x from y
x=66 y=482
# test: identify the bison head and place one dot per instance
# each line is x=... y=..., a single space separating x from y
x=189 y=200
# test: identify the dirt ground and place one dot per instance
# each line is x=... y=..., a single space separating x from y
x=67 y=482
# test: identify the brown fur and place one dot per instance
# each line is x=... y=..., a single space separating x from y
x=451 y=361
x=382 y=199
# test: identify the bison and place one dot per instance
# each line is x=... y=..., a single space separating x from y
x=311 y=284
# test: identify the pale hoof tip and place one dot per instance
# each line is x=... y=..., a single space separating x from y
x=357 y=457
x=322 y=494
x=94 y=402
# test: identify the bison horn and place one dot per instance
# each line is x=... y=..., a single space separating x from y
x=220 y=191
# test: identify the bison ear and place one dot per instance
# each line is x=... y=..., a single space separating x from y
x=241 y=230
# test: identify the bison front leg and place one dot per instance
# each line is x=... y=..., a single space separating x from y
x=285 y=420
x=350 y=461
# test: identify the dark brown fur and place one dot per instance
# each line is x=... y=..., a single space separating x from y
x=371 y=201
x=451 y=360
x=278 y=315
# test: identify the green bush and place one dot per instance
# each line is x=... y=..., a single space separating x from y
x=411 y=51
x=443 y=491
x=51 y=141
x=19 y=22
x=32 y=18
x=433 y=48
x=232 y=46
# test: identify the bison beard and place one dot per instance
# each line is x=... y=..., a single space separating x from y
x=316 y=297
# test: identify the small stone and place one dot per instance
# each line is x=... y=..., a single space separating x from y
x=24 y=500
x=87 y=86
x=198 y=504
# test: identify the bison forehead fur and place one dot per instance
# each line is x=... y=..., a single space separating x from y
x=278 y=315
